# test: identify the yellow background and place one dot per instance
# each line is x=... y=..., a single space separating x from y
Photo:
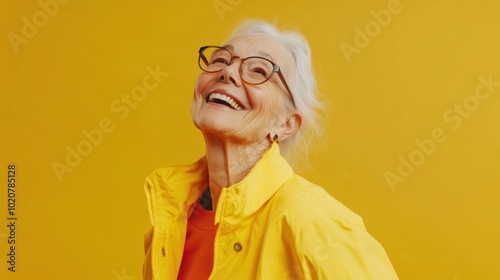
x=440 y=223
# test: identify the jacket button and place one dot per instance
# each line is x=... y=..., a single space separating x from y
x=237 y=246
x=163 y=251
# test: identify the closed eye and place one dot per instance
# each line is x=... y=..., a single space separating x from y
x=220 y=60
x=260 y=71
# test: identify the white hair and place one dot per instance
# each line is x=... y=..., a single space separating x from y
x=302 y=84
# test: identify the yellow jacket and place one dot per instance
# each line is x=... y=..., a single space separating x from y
x=273 y=224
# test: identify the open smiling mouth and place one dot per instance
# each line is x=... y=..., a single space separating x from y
x=224 y=100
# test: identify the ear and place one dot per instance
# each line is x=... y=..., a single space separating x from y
x=290 y=126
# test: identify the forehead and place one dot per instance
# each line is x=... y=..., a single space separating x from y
x=259 y=45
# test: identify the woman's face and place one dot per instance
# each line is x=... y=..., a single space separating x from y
x=260 y=110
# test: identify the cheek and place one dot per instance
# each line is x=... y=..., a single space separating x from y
x=200 y=84
x=268 y=107
x=204 y=79
x=268 y=99
x=198 y=89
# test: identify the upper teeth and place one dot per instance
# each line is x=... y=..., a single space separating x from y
x=226 y=98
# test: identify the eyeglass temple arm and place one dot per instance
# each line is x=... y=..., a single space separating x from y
x=282 y=78
x=202 y=55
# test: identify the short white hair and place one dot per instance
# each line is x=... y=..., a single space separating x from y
x=302 y=84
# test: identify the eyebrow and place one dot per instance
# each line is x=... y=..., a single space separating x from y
x=229 y=47
x=259 y=53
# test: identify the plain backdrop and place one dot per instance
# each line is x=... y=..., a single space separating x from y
x=412 y=139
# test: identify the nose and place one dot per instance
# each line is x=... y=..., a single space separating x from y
x=231 y=73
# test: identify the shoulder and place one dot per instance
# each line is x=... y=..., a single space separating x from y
x=327 y=239
x=304 y=203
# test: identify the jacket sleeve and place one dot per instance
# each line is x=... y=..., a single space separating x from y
x=333 y=244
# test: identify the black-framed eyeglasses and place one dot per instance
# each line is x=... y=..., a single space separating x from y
x=254 y=70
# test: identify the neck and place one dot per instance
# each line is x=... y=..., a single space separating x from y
x=229 y=162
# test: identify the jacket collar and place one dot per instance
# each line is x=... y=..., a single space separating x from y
x=176 y=190
x=242 y=200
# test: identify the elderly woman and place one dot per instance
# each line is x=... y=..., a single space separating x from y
x=241 y=212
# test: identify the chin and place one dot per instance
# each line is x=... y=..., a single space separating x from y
x=214 y=125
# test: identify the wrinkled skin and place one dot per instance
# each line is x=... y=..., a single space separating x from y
x=236 y=139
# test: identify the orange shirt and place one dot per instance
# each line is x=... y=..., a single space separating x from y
x=198 y=257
